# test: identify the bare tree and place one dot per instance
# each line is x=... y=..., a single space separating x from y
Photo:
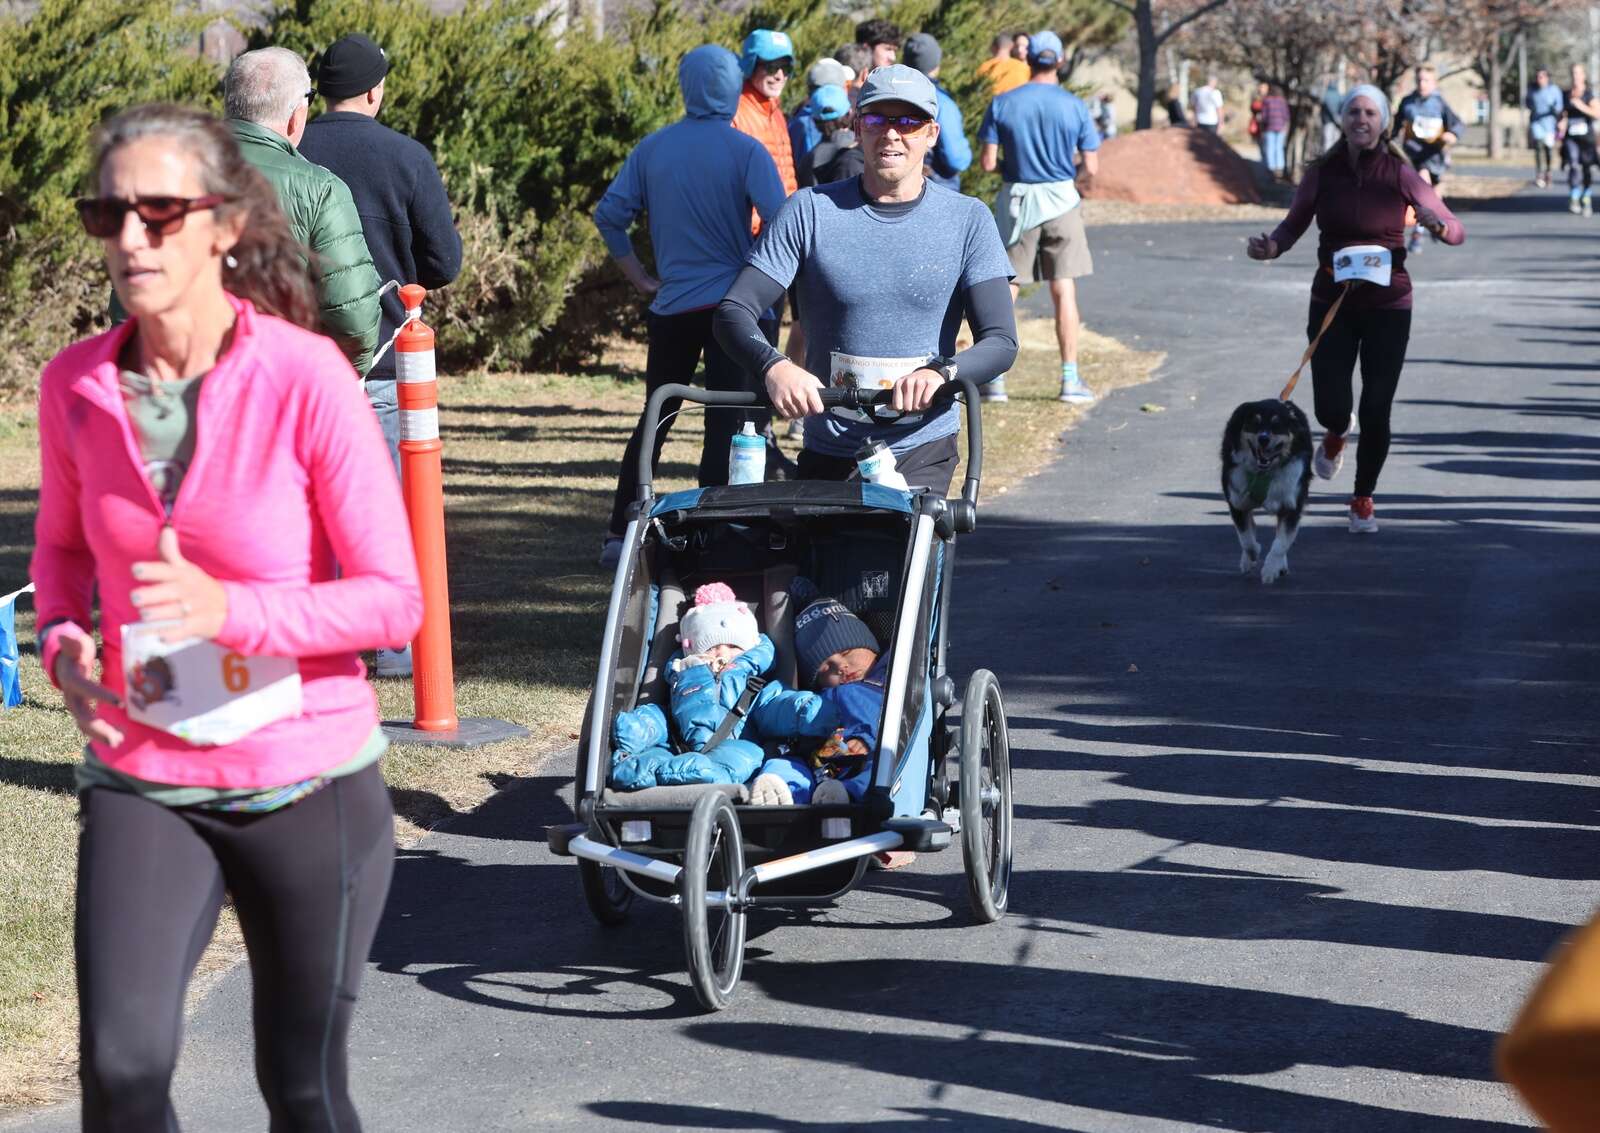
x=1488 y=33
x=1284 y=42
x=1157 y=22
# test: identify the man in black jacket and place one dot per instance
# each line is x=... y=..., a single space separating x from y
x=405 y=214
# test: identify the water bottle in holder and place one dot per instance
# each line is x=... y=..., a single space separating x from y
x=875 y=461
x=747 y=456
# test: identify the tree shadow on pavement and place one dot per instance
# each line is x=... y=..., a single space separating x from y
x=1125 y=1045
x=708 y=1117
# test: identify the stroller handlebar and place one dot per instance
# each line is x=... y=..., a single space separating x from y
x=873 y=401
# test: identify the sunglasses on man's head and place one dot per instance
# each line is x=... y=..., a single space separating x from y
x=162 y=216
x=905 y=123
x=778 y=66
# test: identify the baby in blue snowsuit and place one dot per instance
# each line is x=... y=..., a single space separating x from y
x=838 y=655
x=722 y=652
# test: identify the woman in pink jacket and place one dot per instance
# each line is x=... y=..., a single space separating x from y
x=203 y=468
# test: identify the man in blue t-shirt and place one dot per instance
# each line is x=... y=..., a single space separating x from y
x=1034 y=135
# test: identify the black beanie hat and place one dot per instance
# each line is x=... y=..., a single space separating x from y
x=824 y=628
x=352 y=65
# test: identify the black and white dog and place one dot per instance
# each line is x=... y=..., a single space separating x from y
x=1266 y=466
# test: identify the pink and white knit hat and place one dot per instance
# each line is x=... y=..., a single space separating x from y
x=717 y=618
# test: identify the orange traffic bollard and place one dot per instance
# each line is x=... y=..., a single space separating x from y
x=422 y=480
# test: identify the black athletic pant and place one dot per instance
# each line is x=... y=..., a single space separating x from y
x=676 y=345
x=308 y=881
x=1378 y=340
x=930 y=466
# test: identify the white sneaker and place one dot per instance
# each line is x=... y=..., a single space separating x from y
x=1076 y=393
x=994 y=390
x=1574 y=206
x=770 y=790
x=1588 y=206
x=1329 y=456
x=1363 y=520
x=394 y=662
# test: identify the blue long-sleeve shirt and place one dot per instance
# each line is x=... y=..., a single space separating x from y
x=697 y=180
x=952 y=153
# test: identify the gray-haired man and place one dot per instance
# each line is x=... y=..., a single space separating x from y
x=266 y=95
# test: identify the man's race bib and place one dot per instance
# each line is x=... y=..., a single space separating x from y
x=848 y=371
x=1363 y=263
x=1577 y=127
x=201 y=692
x=1427 y=129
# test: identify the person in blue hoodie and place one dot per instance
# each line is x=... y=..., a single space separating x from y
x=949 y=157
x=723 y=652
x=697 y=179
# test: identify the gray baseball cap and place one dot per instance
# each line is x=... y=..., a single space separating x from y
x=899 y=83
x=829 y=72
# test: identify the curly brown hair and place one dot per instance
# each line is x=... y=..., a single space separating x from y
x=270 y=267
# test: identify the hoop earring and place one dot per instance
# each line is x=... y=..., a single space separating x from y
x=229 y=262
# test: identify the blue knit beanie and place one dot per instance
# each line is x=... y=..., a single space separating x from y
x=825 y=627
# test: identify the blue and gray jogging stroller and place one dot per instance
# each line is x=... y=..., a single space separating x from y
x=889 y=556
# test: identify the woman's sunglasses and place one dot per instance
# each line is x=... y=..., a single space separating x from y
x=162 y=216
x=905 y=123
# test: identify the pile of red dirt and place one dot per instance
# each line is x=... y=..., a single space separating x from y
x=1173 y=166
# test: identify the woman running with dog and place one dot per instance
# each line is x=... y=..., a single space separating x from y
x=1359 y=193
x=203 y=466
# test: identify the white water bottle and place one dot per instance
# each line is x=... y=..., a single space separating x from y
x=875 y=460
x=747 y=456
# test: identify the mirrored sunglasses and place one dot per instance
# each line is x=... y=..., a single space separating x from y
x=905 y=123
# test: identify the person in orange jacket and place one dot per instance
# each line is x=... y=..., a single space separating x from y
x=767 y=58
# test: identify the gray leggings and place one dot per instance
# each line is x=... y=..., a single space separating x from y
x=309 y=883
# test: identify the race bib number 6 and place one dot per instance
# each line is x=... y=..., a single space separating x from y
x=200 y=692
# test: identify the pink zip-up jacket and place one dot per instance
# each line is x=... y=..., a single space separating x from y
x=290 y=474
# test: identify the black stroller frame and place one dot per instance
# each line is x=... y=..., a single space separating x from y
x=697 y=847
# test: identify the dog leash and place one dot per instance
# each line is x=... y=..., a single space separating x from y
x=1327 y=321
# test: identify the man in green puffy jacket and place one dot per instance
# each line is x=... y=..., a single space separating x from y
x=266 y=95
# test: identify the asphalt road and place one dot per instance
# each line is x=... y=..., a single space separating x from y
x=1287 y=858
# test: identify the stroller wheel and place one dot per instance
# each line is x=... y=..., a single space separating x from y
x=604 y=891
x=985 y=796
x=713 y=935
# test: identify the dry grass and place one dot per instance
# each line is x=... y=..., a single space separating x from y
x=530 y=465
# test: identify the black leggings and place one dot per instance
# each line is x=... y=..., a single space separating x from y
x=676 y=344
x=1378 y=339
x=308 y=881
